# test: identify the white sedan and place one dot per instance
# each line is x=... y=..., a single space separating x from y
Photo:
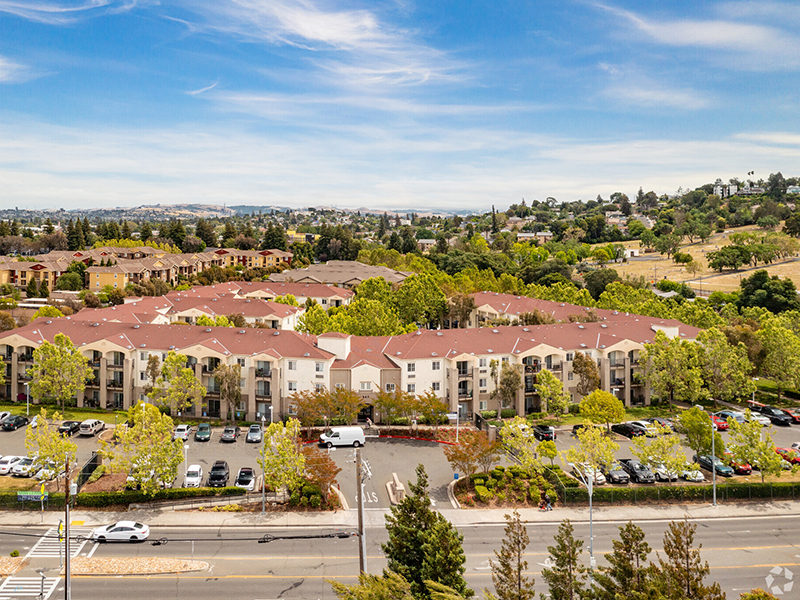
x=194 y=476
x=7 y=463
x=121 y=531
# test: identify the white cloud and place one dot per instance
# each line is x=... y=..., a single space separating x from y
x=778 y=137
x=11 y=72
x=62 y=12
x=202 y=90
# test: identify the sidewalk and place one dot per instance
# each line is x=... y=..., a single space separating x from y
x=375 y=517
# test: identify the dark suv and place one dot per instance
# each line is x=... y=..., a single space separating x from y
x=777 y=416
x=219 y=474
x=637 y=471
x=544 y=432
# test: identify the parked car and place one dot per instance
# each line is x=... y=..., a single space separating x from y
x=639 y=473
x=91 y=427
x=14 y=422
x=203 y=433
x=706 y=463
x=616 y=474
x=587 y=471
x=693 y=474
x=7 y=463
x=49 y=472
x=666 y=424
x=796 y=446
x=740 y=468
x=794 y=413
x=230 y=434
x=69 y=428
x=122 y=531
x=578 y=427
x=730 y=414
x=662 y=474
x=628 y=430
x=34 y=422
x=182 y=432
x=758 y=418
x=720 y=423
x=194 y=476
x=650 y=430
x=777 y=416
x=544 y=432
x=219 y=474
x=24 y=467
x=246 y=479
x=254 y=434
x=788 y=454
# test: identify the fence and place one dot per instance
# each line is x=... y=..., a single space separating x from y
x=87 y=469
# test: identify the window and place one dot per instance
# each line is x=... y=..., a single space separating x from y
x=436 y=386
x=292 y=386
x=437 y=365
x=482 y=383
x=412 y=388
x=142 y=376
x=569 y=376
x=243 y=383
x=324 y=300
x=483 y=405
x=293 y=365
x=319 y=386
x=412 y=367
x=482 y=362
x=390 y=387
x=339 y=386
x=570 y=357
x=142 y=355
x=366 y=386
x=319 y=367
x=241 y=362
x=504 y=359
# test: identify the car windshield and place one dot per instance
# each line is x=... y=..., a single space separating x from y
x=193 y=474
x=229 y=430
x=245 y=476
x=255 y=428
x=203 y=427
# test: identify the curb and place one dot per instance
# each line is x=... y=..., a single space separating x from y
x=452 y=495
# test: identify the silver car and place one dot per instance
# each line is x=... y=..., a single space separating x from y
x=182 y=432
x=254 y=434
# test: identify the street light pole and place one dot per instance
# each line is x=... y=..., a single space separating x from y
x=27 y=399
x=185 y=462
x=589 y=483
x=270 y=415
x=713 y=461
x=263 y=460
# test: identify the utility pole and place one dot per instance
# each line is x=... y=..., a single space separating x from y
x=362 y=542
x=67 y=591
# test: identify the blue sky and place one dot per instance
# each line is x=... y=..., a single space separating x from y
x=391 y=103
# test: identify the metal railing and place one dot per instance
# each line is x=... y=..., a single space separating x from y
x=87 y=469
x=464 y=373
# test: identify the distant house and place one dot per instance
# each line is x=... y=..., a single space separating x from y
x=426 y=244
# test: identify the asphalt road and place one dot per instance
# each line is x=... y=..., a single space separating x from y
x=741 y=553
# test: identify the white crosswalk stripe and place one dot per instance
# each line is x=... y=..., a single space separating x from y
x=27 y=587
x=48 y=545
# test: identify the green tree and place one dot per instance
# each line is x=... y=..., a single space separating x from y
x=519 y=441
x=420 y=300
x=509 y=383
x=431 y=408
x=627 y=575
x=393 y=405
x=50 y=312
x=781 y=349
x=229 y=378
x=757 y=594
x=566 y=578
x=179 y=388
x=682 y=571
x=70 y=281
x=288 y=299
x=748 y=443
x=32 y=289
x=52 y=449
x=588 y=377
x=508 y=570
x=773 y=293
x=551 y=391
x=593 y=448
x=145 y=449
x=375 y=288
x=412 y=526
x=672 y=368
x=547 y=449
x=282 y=460
x=725 y=368
x=59 y=370
x=314 y=320
x=602 y=407
x=695 y=425
x=367 y=318
x=662 y=450
x=389 y=586
x=596 y=281
x=472 y=451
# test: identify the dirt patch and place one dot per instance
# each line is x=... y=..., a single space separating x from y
x=113 y=482
x=10 y=565
x=134 y=566
x=16 y=484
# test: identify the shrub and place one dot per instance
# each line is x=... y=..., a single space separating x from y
x=490 y=484
x=477 y=478
x=482 y=494
x=98 y=473
x=489 y=414
x=14 y=554
x=311 y=490
x=497 y=474
x=101 y=499
x=508 y=413
x=294 y=498
x=575 y=408
x=304 y=501
x=315 y=501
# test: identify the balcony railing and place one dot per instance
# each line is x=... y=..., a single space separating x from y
x=263 y=394
x=7 y=357
x=212 y=390
x=114 y=383
x=94 y=363
x=465 y=393
x=26 y=358
x=23 y=376
x=556 y=367
x=464 y=373
x=264 y=373
x=533 y=368
x=93 y=382
x=617 y=364
x=115 y=365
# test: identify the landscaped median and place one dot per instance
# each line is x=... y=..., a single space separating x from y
x=682 y=493
x=10 y=565
x=134 y=566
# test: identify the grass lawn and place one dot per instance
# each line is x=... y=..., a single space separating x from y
x=71 y=413
x=16 y=484
x=631 y=414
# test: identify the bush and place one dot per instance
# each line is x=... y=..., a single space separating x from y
x=497 y=474
x=508 y=413
x=311 y=490
x=14 y=554
x=294 y=498
x=575 y=408
x=489 y=414
x=101 y=499
x=315 y=501
x=482 y=494
x=98 y=473
x=490 y=484
x=477 y=478
x=401 y=421
x=304 y=501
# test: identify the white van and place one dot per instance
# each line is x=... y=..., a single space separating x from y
x=343 y=436
x=91 y=426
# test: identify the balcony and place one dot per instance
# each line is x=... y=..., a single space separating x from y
x=115 y=366
x=114 y=383
x=530 y=389
x=94 y=363
x=617 y=364
x=212 y=390
x=465 y=373
x=23 y=376
x=554 y=368
x=7 y=357
x=532 y=369
x=94 y=382
x=264 y=373
x=263 y=394
x=26 y=358
x=465 y=393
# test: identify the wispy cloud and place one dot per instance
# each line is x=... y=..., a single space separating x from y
x=777 y=137
x=63 y=12
x=11 y=72
x=205 y=89
x=747 y=45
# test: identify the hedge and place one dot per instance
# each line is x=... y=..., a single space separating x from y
x=99 y=499
x=508 y=413
x=726 y=491
x=482 y=494
x=489 y=414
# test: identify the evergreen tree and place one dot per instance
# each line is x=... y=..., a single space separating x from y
x=682 y=572
x=495 y=225
x=507 y=573
x=145 y=231
x=205 y=232
x=274 y=238
x=44 y=290
x=126 y=230
x=229 y=234
x=395 y=243
x=566 y=578
x=176 y=232
x=32 y=289
x=422 y=543
x=382 y=226
x=100 y=231
x=5 y=230
x=71 y=235
x=14 y=228
x=48 y=227
x=627 y=575
x=112 y=231
x=87 y=232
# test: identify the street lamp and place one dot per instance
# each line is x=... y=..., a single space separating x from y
x=263 y=460
x=753 y=402
x=713 y=460
x=270 y=416
x=589 y=483
x=27 y=399
x=185 y=461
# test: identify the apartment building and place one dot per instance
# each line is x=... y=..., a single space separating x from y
x=458 y=365
x=342 y=273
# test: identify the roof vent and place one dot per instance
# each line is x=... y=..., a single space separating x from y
x=95 y=324
x=172 y=347
x=208 y=330
x=306 y=354
x=581 y=327
x=397 y=353
x=247 y=301
x=48 y=322
x=241 y=331
x=490 y=351
x=583 y=345
x=434 y=354
x=603 y=325
x=136 y=327
x=439 y=333
x=525 y=329
x=495 y=331
x=142 y=345
x=602 y=345
x=276 y=333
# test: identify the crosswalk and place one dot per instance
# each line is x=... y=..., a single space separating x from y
x=28 y=587
x=48 y=545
